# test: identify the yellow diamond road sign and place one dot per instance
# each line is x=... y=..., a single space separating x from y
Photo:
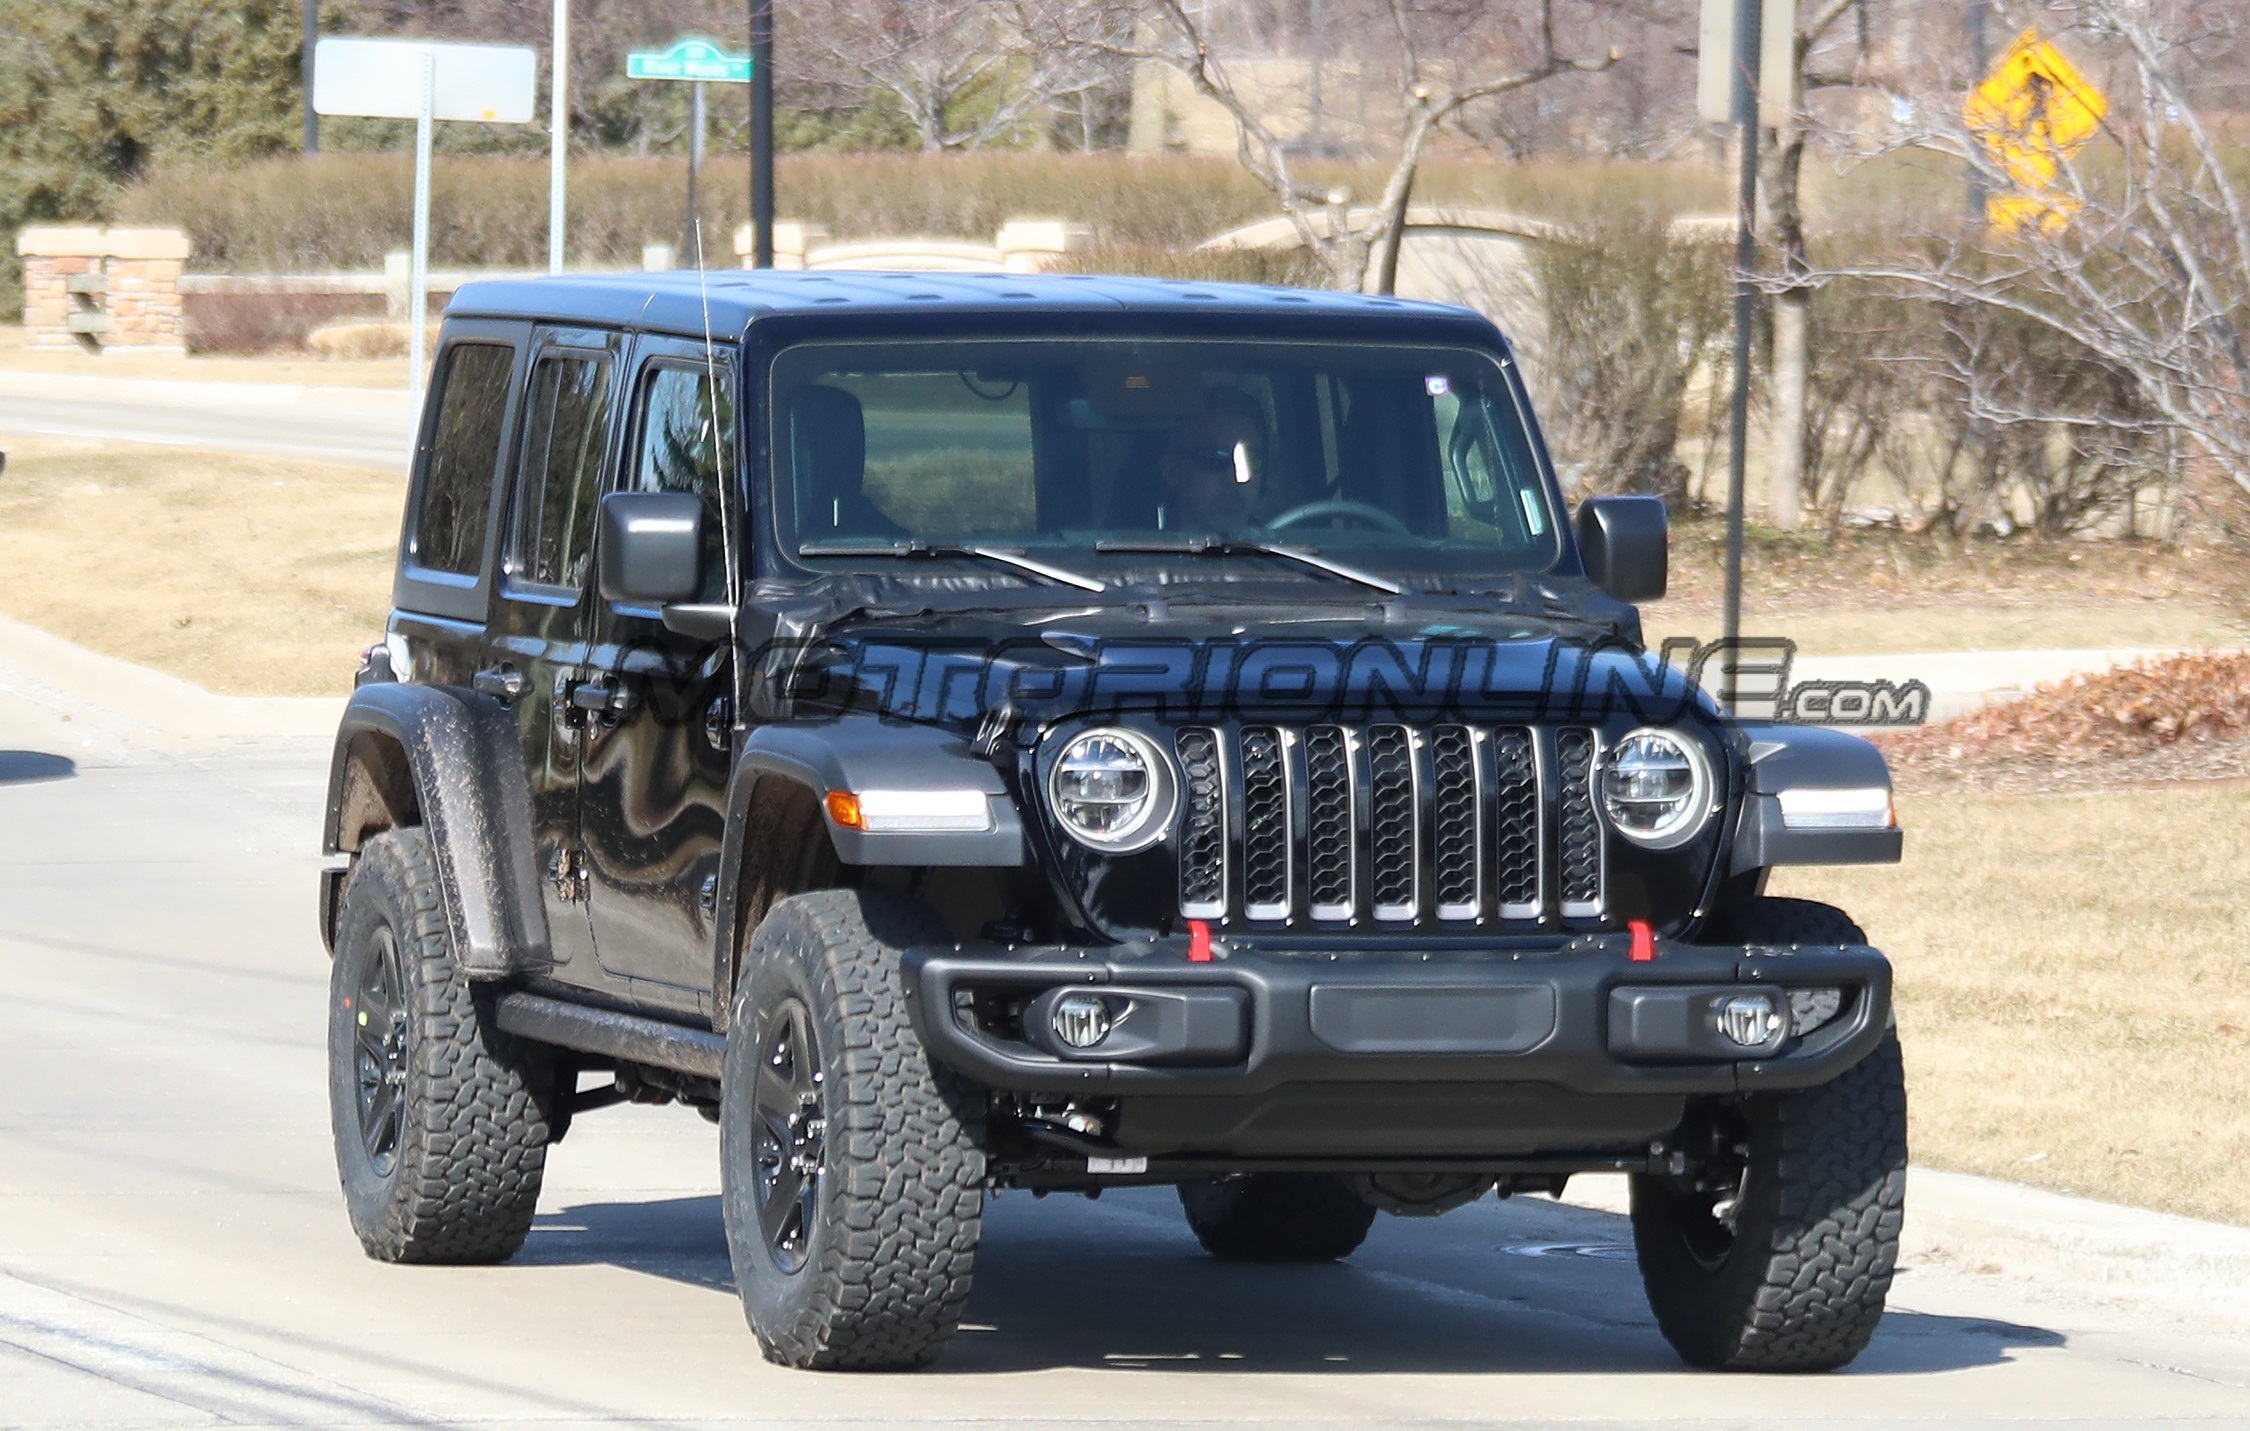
x=2033 y=111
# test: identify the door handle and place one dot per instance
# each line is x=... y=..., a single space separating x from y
x=505 y=682
x=611 y=698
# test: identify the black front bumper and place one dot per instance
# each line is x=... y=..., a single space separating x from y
x=1581 y=1017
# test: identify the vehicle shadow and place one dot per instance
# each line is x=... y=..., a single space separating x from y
x=25 y=767
x=1064 y=1284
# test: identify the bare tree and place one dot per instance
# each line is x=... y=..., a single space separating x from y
x=1816 y=64
x=1445 y=56
x=2137 y=250
x=960 y=73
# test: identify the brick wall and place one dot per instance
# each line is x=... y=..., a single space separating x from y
x=102 y=288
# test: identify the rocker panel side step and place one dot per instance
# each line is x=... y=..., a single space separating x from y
x=629 y=1037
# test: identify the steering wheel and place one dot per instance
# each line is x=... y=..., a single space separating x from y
x=1314 y=511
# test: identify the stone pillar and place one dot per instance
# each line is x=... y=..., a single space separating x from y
x=145 y=312
x=793 y=239
x=99 y=289
x=1029 y=245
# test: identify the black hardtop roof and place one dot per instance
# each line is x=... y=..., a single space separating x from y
x=676 y=301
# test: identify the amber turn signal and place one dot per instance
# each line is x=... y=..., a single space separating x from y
x=843 y=808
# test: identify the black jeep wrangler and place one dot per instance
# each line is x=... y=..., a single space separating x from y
x=970 y=733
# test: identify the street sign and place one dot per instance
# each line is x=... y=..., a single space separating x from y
x=689 y=59
x=425 y=81
x=382 y=79
x=2030 y=114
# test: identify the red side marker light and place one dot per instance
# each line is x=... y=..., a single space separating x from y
x=1199 y=942
x=1644 y=940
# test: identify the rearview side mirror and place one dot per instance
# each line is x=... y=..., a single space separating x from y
x=649 y=547
x=1626 y=545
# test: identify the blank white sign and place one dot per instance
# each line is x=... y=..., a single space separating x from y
x=382 y=79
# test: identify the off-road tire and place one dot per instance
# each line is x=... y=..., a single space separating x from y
x=1277 y=1217
x=1816 y=1232
x=459 y=1182
x=899 y=1199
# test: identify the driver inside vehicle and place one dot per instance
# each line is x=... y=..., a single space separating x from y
x=1213 y=467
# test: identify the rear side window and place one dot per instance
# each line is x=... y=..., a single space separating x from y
x=457 y=489
x=686 y=442
x=566 y=434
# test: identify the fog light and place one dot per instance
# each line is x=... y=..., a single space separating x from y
x=1080 y=1020
x=1752 y=1020
x=1810 y=1008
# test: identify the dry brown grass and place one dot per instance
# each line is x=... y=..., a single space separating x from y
x=2072 y=989
x=251 y=576
x=312 y=371
x=1872 y=592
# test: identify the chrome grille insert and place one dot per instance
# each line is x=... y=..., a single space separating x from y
x=1265 y=823
x=1333 y=825
x=1331 y=817
x=1394 y=864
x=1577 y=755
x=1203 y=826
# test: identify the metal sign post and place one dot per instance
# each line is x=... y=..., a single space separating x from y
x=1748 y=26
x=761 y=135
x=423 y=81
x=558 y=137
x=418 y=281
x=699 y=62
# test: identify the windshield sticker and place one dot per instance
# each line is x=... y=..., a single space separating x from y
x=1437 y=385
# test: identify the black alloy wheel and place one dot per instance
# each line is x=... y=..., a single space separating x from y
x=379 y=1052
x=790 y=1141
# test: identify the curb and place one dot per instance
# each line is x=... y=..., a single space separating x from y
x=136 y=707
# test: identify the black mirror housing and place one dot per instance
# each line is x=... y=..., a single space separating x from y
x=649 y=547
x=1626 y=545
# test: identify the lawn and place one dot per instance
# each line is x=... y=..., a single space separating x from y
x=2072 y=987
x=246 y=575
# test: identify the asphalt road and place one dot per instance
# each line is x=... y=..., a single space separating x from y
x=363 y=428
x=173 y=1253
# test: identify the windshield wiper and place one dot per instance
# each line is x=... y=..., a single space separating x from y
x=1224 y=546
x=918 y=548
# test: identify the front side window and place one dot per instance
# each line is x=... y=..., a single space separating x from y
x=472 y=398
x=1394 y=458
x=685 y=441
x=566 y=434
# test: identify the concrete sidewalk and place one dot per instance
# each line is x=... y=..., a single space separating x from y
x=364 y=427
x=59 y=698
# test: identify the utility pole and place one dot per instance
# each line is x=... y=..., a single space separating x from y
x=305 y=67
x=1980 y=64
x=558 y=142
x=761 y=133
x=1749 y=17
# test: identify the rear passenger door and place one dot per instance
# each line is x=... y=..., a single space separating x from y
x=541 y=623
x=656 y=765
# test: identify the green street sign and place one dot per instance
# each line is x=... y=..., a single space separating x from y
x=689 y=60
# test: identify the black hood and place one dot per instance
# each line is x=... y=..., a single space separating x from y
x=1537 y=650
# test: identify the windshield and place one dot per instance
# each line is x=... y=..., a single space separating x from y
x=1099 y=455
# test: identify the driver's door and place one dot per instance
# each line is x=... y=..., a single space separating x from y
x=659 y=725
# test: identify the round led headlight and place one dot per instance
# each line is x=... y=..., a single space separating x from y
x=1656 y=788
x=1112 y=790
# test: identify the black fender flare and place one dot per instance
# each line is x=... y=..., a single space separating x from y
x=856 y=753
x=471 y=791
x=1786 y=756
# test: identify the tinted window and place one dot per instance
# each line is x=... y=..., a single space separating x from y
x=457 y=490
x=566 y=433
x=1393 y=457
x=686 y=441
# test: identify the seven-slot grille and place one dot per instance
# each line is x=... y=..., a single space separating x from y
x=1389 y=823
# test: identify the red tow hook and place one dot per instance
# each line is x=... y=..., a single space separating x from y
x=1644 y=941
x=1199 y=942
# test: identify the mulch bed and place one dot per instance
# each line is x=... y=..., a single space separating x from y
x=2180 y=718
